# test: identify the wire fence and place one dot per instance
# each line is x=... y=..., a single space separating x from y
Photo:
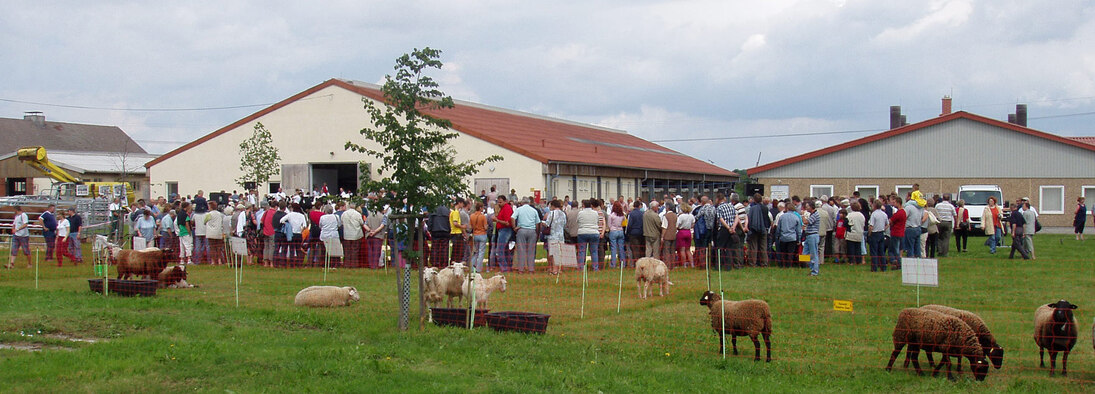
x=848 y=317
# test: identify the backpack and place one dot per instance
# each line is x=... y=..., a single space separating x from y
x=701 y=225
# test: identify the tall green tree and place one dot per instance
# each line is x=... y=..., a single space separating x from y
x=416 y=160
x=259 y=159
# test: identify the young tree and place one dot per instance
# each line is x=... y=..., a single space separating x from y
x=259 y=159
x=417 y=163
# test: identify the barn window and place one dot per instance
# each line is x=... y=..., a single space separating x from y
x=821 y=190
x=867 y=191
x=1051 y=199
x=1086 y=191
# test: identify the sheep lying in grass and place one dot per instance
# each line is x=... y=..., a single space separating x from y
x=450 y=282
x=650 y=270
x=326 y=296
x=1055 y=329
x=747 y=317
x=483 y=288
x=933 y=331
x=174 y=277
x=429 y=285
x=993 y=350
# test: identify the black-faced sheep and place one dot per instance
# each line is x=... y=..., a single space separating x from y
x=483 y=288
x=993 y=350
x=746 y=317
x=147 y=263
x=174 y=277
x=1055 y=329
x=650 y=270
x=450 y=282
x=326 y=296
x=933 y=331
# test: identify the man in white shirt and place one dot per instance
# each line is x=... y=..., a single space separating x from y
x=946 y=225
x=201 y=244
x=353 y=226
x=20 y=238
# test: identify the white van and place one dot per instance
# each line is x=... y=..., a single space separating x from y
x=976 y=198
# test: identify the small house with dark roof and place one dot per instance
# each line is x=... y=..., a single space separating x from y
x=942 y=154
x=552 y=157
x=91 y=152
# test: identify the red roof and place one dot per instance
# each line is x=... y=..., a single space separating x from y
x=540 y=138
x=1086 y=140
x=1074 y=141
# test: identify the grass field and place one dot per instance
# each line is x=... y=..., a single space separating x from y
x=196 y=339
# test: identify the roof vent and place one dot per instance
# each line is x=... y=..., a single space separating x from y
x=37 y=117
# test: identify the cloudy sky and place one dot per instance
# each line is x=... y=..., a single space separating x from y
x=749 y=72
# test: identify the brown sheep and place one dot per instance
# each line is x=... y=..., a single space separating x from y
x=933 y=331
x=1055 y=329
x=993 y=350
x=147 y=263
x=747 y=317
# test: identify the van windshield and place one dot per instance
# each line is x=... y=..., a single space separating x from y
x=979 y=197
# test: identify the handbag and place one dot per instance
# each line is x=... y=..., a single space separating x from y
x=546 y=230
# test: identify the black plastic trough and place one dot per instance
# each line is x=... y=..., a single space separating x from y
x=126 y=287
x=458 y=317
x=518 y=321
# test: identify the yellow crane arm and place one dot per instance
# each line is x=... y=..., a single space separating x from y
x=35 y=157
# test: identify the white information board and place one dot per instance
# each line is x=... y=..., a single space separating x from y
x=139 y=243
x=238 y=246
x=780 y=192
x=922 y=272
x=565 y=255
x=333 y=247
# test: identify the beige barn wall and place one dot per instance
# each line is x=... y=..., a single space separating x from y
x=314 y=130
x=1012 y=188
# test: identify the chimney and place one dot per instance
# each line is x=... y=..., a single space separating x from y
x=903 y=121
x=1011 y=118
x=36 y=117
x=946 y=106
x=1021 y=115
x=895 y=116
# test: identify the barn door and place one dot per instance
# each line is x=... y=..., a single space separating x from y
x=295 y=176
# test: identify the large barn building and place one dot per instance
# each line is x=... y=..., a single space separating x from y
x=942 y=154
x=540 y=154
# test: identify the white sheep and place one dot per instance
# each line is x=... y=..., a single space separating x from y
x=484 y=287
x=431 y=292
x=326 y=296
x=650 y=270
x=450 y=281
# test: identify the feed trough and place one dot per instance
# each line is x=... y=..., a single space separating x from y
x=458 y=317
x=518 y=321
x=126 y=287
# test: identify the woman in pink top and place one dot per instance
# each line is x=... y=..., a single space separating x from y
x=616 y=233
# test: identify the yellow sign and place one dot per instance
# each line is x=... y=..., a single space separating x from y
x=804 y=258
x=842 y=305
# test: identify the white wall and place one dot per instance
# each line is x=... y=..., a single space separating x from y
x=315 y=129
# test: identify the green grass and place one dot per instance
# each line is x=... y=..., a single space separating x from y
x=196 y=339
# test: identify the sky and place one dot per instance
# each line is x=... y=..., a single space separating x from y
x=744 y=74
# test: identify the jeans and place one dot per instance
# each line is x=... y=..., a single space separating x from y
x=201 y=249
x=912 y=242
x=51 y=242
x=811 y=249
x=500 y=253
x=589 y=241
x=76 y=249
x=616 y=247
x=993 y=240
x=893 y=250
x=477 y=254
x=878 y=254
x=525 y=250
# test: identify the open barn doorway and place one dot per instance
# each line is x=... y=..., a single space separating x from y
x=337 y=176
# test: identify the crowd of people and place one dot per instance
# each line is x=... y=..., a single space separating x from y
x=504 y=232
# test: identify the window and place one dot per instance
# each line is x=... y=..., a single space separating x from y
x=274 y=187
x=903 y=190
x=821 y=190
x=1051 y=199
x=1085 y=191
x=867 y=191
x=172 y=189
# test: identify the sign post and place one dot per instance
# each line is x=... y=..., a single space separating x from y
x=919 y=272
